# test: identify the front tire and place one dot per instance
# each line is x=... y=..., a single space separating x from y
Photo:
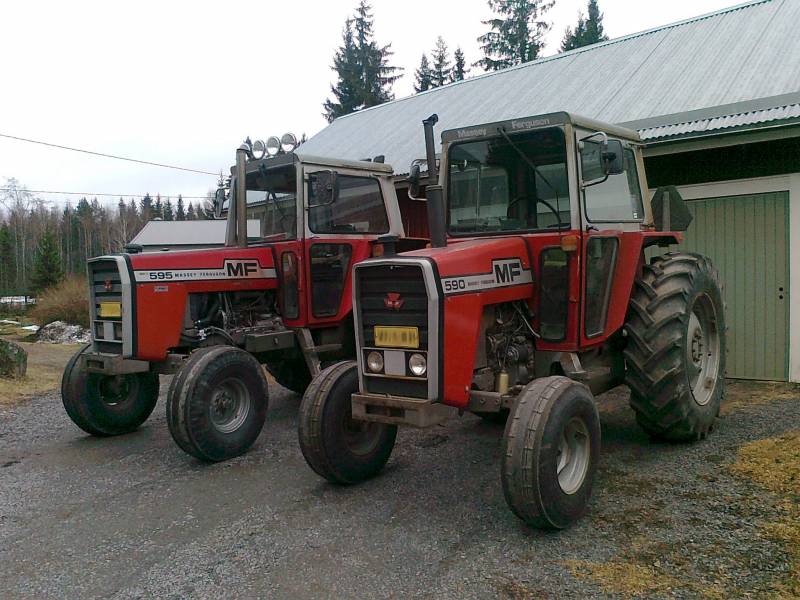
x=335 y=446
x=217 y=403
x=106 y=405
x=551 y=448
x=675 y=358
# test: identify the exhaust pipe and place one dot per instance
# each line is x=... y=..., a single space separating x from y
x=236 y=232
x=433 y=192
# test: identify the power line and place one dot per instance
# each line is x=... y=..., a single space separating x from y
x=135 y=160
x=2 y=189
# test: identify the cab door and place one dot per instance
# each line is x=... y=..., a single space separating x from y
x=345 y=211
x=611 y=241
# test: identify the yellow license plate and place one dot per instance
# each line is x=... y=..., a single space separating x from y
x=111 y=309
x=396 y=337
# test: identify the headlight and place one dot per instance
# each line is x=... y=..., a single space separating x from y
x=288 y=142
x=375 y=362
x=273 y=145
x=259 y=149
x=418 y=365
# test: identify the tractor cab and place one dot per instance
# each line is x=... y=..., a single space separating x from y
x=317 y=215
x=534 y=297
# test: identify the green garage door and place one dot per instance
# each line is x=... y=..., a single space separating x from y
x=747 y=237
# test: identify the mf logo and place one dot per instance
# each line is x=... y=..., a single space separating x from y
x=393 y=301
x=507 y=270
x=242 y=268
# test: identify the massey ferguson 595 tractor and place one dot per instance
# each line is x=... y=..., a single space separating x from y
x=278 y=294
x=534 y=296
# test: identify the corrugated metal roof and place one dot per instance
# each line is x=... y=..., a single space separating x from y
x=735 y=55
x=701 y=126
x=188 y=233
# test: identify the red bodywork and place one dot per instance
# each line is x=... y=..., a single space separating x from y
x=161 y=293
x=462 y=311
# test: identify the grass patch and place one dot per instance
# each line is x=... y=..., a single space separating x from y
x=626 y=578
x=45 y=364
x=742 y=394
x=68 y=302
x=774 y=464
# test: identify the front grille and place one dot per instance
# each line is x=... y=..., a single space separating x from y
x=106 y=286
x=382 y=284
x=375 y=285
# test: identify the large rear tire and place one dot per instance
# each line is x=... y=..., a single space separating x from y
x=551 y=448
x=675 y=357
x=106 y=405
x=338 y=447
x=217 y=403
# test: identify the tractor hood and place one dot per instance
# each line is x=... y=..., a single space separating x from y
x=190 y=266
x=481 y=265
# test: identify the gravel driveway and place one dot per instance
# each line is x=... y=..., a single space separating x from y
x=134 y=516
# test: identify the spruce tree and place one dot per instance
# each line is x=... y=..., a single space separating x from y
x=7 y=262
x=377 y=75
x=158 y=208
x=423 y=75
x=180 y=212
x=46 y=264
x=441 y=69
x=588 y=31
x=147 y=208
x=346 y=90
x=460 y=70
x=364 y=75
x=190 y=212
x=166 y=212
x=517 y=33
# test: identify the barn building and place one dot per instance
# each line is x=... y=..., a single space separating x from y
x=716 y=100
x=163 y=236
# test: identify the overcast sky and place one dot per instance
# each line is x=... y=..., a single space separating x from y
x=184 y=82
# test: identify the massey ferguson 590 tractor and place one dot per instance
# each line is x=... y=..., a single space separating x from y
x=534 y=296
x=278 y=294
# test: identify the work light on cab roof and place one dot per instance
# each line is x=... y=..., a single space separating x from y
x=273 y=146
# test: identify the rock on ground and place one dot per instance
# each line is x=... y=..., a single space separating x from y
x=59 y=332
x=13 y=360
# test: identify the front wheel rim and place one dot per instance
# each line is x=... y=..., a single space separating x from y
x=229 y=406
x=360 y=437
x=118 y=389
x=574 y=452
x=702 y=350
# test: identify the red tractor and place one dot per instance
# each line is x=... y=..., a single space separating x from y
x=534 y=297
x=279 y=294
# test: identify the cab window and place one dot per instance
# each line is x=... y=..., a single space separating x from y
x=359 y=207
x=618 y=198
x=514 y=183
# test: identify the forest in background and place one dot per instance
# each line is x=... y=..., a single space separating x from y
x=42 y=242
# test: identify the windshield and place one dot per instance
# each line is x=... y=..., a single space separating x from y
x=272 y=202
x=517 y=182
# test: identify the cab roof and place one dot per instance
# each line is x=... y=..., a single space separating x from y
x=538 y=122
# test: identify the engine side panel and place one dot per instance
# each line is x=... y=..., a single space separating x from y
x=164 y=280
x=474 y=275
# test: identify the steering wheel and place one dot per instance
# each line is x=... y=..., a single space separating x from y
x=549 y=206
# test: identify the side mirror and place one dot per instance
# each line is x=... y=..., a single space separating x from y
x=324 y=188
x=414 y=176
x=219 y=202
x=613 y=163
x=600 y=158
